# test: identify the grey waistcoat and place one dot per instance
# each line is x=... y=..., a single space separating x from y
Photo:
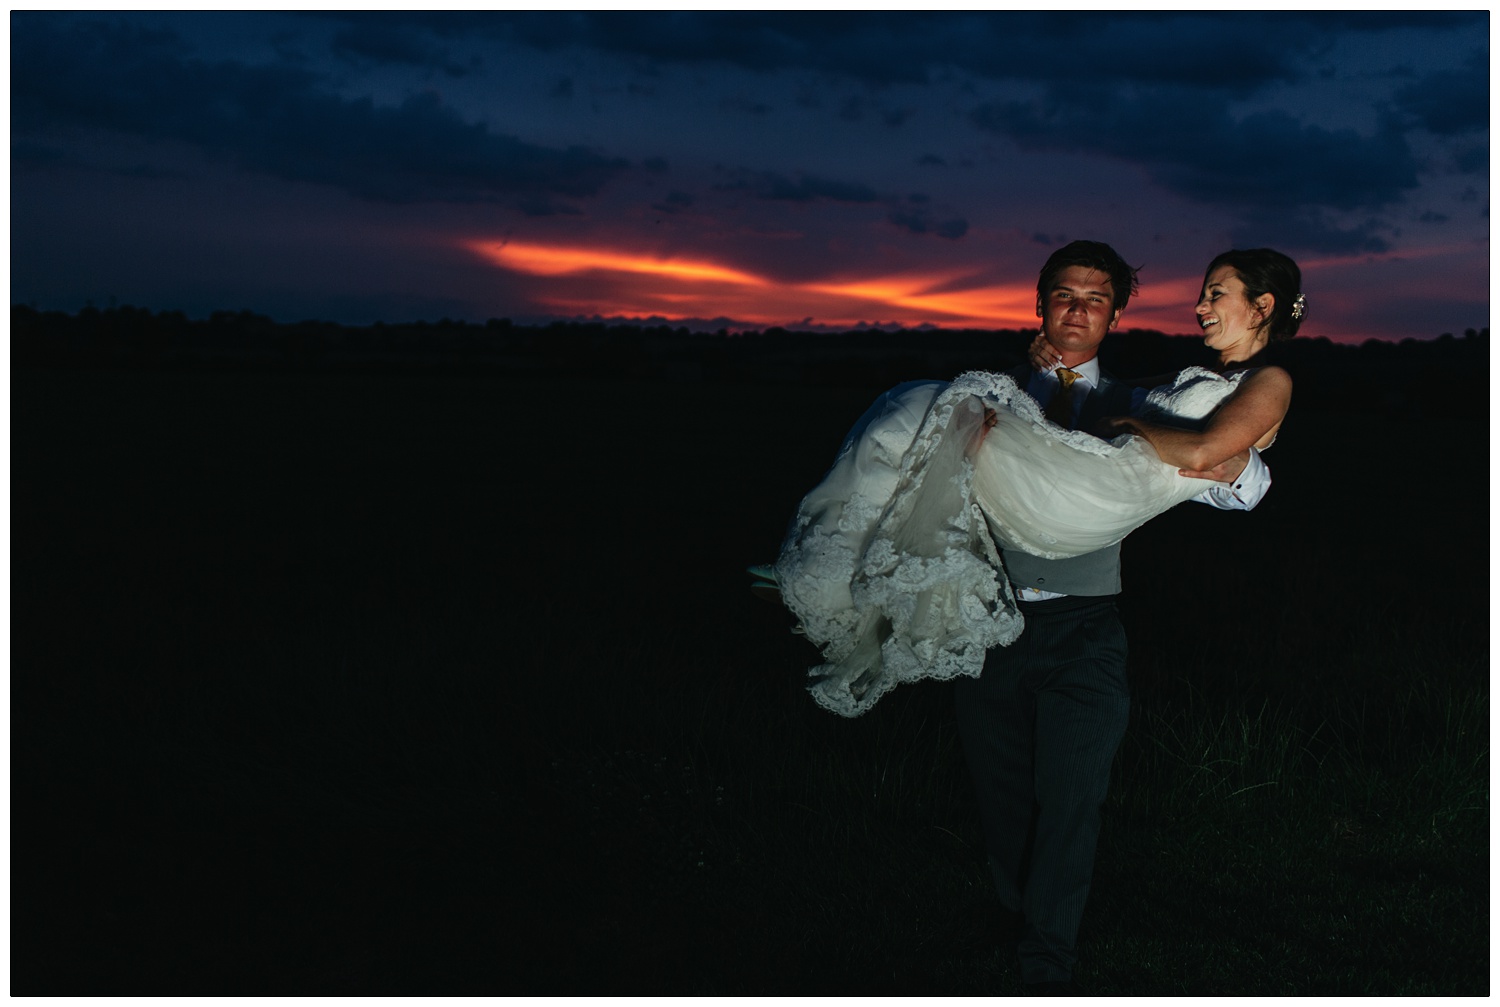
x=1094 y=573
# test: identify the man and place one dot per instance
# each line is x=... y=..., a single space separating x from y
x=1041 y=725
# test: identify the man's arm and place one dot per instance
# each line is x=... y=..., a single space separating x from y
x=1241 y=482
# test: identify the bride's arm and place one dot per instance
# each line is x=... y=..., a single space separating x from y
x=1247 y=419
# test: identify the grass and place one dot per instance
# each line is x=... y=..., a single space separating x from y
x=360 y=685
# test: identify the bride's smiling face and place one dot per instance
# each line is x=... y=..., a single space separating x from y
x=1231 y=323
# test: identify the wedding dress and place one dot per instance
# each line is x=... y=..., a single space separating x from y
x=890 y=564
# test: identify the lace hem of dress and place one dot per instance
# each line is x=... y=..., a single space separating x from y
x=908 y=587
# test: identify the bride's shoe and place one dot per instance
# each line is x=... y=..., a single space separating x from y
x=767 y=587
x=765 y=584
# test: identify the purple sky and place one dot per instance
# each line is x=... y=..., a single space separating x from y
x=745 y=169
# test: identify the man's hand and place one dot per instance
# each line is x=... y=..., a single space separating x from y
x=990 y=419
x=1224 y=472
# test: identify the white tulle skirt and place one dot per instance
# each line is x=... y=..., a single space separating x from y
x=890 y=564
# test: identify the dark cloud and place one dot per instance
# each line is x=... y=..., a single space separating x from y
x=853 y=45
x=745 y=104
x=276 y=119
x=855 y=107
x=912 y=212
x=918 y=221
x=852 y=108
x=1270 y=158
x=1178 y=67
x=375 y=42
x=803 y=188
x=1311 y=229
x=1261 y=163
x=37 y=155
x=1473 y=158
x=675 y=201
x=886 y=47
x=541 y=205
x=1450 y=102
x=917 y=214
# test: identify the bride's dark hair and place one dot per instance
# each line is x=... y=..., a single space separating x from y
x=1094 y=255
x=1267 y=271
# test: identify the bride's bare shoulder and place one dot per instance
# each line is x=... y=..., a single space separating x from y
x=1268 y=379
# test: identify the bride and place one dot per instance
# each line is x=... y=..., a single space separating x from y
x=893 y=563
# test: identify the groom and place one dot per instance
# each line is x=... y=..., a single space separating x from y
x=1041 y=724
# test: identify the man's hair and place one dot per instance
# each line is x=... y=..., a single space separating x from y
x=1095 y=255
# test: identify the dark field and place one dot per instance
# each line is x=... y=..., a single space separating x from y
x=360 y=683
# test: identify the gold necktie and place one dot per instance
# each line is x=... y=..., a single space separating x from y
x=1060 y=409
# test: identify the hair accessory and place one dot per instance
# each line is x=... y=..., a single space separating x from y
x=1299 y=306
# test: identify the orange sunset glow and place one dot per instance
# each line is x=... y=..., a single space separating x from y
x=616 y=283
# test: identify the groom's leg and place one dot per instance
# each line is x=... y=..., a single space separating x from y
x=1082 y=708
x=995 y=719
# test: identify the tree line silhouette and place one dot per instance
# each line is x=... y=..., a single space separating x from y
x=1445 y=377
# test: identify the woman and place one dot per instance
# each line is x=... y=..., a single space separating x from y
x=890 y=564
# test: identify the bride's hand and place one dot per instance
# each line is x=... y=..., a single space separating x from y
x=1042 y=354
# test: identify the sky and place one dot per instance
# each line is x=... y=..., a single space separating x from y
x=745 y=170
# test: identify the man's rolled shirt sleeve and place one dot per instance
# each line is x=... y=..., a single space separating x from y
x=1245 y=492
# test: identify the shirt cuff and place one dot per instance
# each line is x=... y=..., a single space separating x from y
x=1245 y=492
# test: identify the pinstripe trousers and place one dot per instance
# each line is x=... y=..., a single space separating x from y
x=1040 y=728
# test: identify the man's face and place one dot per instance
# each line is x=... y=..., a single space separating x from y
x=1078 y=311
